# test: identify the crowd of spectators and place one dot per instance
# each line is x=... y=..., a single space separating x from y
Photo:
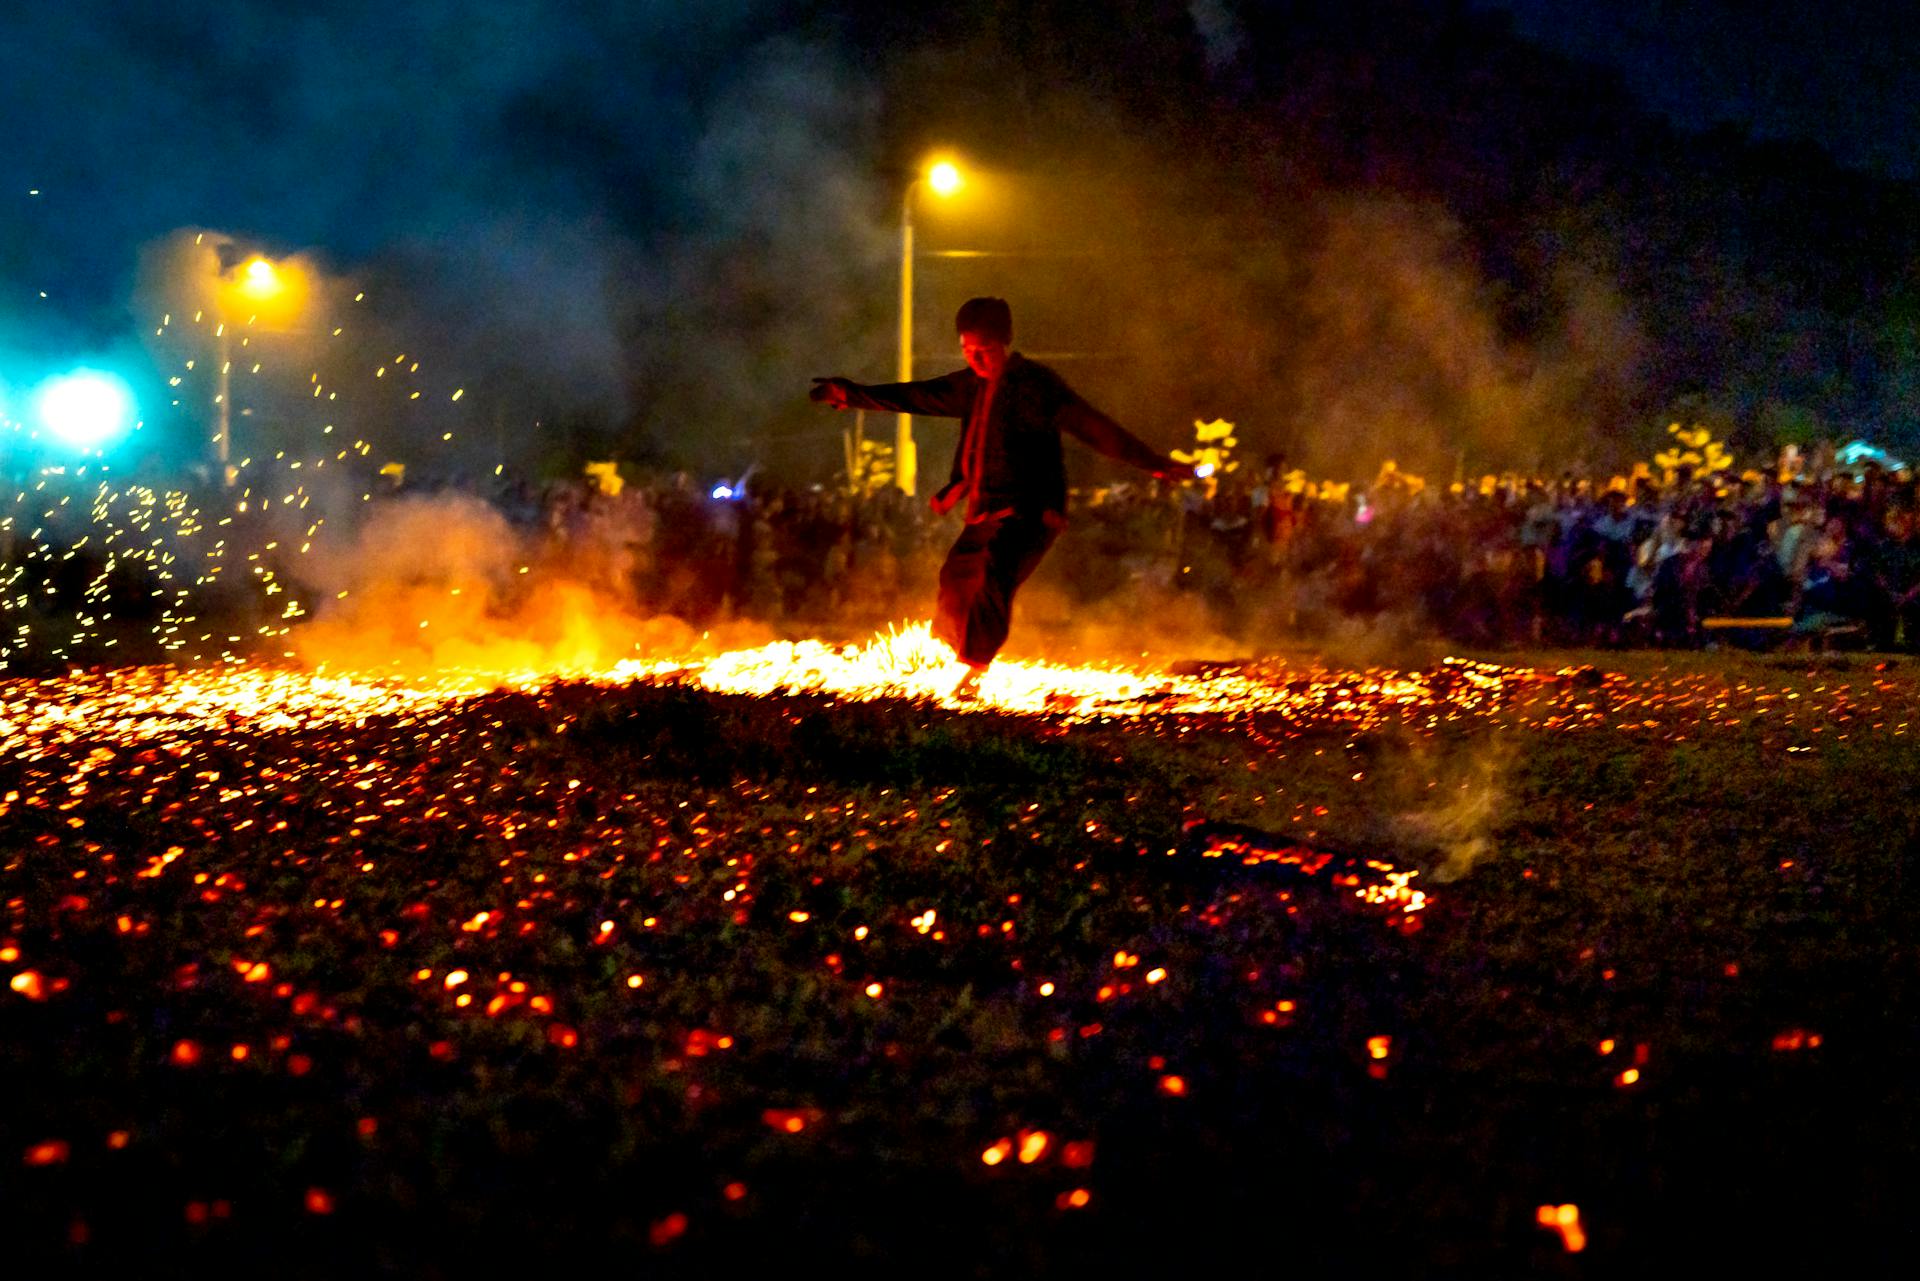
x=702 y=553
x=1824 y=554
x=1680 y=560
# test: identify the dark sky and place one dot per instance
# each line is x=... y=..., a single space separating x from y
x=355 y=124
x=1845 y=73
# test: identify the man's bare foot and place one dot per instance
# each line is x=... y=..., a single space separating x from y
x=969 y=687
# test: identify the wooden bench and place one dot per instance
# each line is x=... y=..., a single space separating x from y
x=1785 y=631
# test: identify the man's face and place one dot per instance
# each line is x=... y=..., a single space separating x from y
x=984 y=356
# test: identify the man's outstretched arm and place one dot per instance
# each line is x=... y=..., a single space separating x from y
x=942 y=397
x=1098 y=432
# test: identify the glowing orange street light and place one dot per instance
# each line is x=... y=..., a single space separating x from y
x=943 y=178
x=259 y=279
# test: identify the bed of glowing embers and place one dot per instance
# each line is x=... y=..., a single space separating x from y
x=246 y=879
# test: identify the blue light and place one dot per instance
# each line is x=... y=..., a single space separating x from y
x=723 y=492
x=86 y=408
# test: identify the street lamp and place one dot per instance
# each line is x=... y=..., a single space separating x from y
x=260 y=281
x=944 y=178
x=259 y=278
x=86 y=408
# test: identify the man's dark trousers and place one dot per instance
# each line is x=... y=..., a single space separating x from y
x=989 y=561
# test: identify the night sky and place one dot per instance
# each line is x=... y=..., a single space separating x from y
x=368 y=124
x=1845 y=75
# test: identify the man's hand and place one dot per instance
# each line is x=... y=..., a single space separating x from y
x=943 y=502
x=831 y=392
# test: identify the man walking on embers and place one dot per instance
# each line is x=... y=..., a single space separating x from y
x=1009 y=470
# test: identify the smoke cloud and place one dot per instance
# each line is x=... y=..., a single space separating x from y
x=444 y=584
x=1458 y=819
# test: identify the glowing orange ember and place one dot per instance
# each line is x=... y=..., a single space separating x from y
x=1564 y=1219
x=786 y=1120
x=148 y=704
x=52 y=1152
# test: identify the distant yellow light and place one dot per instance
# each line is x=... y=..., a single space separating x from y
x=945 y=178
x=259 y=278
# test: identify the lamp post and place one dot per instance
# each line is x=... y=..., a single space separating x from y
x=944 y=178
x=259 y=279
x=223 y=395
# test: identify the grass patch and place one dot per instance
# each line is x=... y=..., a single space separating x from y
x=243 y=1039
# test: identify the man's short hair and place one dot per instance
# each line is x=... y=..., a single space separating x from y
x=991 y=318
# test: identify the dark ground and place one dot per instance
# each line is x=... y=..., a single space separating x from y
x=1704 y=865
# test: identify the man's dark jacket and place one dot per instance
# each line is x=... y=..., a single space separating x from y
x=1023 y=467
